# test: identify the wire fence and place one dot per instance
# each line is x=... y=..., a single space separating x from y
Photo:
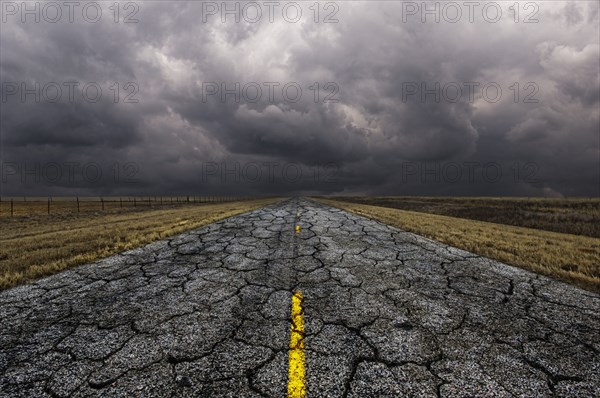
x=23 y=206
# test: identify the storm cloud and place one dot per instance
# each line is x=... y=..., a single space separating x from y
x=359 y=97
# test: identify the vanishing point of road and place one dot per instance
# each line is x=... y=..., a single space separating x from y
x=341 y=306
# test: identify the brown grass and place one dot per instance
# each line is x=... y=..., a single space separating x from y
x=579 y=216
x=570 y=258
x=35 y=246
x=39 y=206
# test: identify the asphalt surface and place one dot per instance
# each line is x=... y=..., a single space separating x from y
x=387 y=314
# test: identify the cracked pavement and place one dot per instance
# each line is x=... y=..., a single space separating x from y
x=387 y=314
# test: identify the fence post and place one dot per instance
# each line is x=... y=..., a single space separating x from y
x=78 y=205
x=48 y=205
x=11 y=208
x=120 y=202
x=102 y=201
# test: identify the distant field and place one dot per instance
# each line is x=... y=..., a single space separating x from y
x=36 y=244
x=34 y=206
x=564 y=256
x=579 y=216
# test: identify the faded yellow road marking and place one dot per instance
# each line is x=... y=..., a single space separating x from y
x=296 y=381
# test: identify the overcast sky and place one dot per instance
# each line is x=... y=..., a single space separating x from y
x=348 y=97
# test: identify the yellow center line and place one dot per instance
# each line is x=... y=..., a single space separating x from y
x=296 y=380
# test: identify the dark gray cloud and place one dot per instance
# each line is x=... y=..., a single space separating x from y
x=373 y=139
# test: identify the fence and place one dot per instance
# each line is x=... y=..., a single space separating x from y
x=22 y=206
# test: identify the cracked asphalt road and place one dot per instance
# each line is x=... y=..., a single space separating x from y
x=387 y=314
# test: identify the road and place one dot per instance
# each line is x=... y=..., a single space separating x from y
x=385 y=314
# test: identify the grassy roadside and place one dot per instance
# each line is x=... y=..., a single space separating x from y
x=578 y=216
x=33 y=247
x=570 y=258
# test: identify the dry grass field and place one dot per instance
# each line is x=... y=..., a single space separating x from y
x=568 y=257
x=34 y=206
x=37 y=244
x=579 y=216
